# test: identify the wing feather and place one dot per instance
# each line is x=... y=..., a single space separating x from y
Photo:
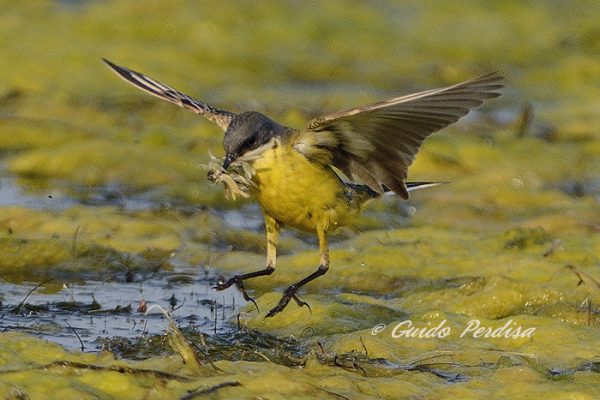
x=160 y=90
x=377 y=143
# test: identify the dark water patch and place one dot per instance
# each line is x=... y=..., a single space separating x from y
x=579 y=188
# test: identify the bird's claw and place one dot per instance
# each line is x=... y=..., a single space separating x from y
x=302 y=303
x=238 y=280
x=290 y=293
x=222 y=284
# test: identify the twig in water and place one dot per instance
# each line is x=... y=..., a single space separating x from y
x=76 y=334
x=22 y=303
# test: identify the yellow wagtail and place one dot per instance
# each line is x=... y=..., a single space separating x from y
x=294 y=179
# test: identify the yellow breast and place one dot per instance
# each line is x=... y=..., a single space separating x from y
x=299 y=193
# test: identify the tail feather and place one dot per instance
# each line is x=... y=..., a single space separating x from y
x=410 y=186
x=363 y=194
x=421 y=185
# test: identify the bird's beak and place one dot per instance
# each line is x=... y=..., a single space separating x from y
x=229 y=158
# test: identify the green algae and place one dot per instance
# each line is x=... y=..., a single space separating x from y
x=513 y=237
x=325 y=375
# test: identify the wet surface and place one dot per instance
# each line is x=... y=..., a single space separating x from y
x=77 y=311
x=84 y=315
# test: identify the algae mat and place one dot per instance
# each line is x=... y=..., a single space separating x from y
x=484 y=287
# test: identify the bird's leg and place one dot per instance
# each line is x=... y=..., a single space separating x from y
x=290 y=292
x=273 y=227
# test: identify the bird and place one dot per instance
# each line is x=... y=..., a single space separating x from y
x=323 y=176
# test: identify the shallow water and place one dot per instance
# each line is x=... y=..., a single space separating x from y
x=92 y=315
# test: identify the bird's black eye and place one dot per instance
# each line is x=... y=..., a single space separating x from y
x=250 y=143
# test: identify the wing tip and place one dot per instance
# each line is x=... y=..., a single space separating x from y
x=111 y=65
x=121 y=72
x=491 y=81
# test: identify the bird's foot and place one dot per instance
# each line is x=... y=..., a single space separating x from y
x=290 y=293
x=238 y=280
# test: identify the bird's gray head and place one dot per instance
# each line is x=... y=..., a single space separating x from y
x=246 y=132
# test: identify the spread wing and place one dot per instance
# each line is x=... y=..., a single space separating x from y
x=155 y=88
x=377 y=143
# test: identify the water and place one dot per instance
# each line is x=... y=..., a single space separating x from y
x=80 y=315
x=85 y=313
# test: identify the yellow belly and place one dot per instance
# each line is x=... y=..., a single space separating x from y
x=300 y=194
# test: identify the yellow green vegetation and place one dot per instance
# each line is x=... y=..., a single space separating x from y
x=49 y=371
x=513 y=241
